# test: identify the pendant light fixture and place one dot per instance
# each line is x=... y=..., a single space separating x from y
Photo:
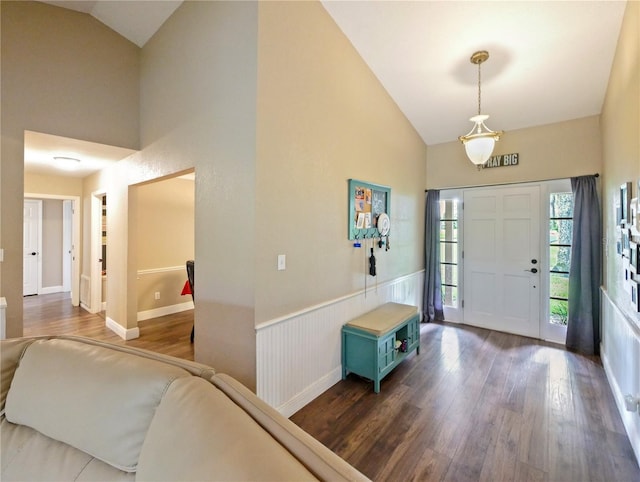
x=479 y=142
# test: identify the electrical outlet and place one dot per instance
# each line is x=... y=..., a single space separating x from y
x=157 y=295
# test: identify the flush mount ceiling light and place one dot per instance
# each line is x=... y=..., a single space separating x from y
x=67 y=163
x=480 y=141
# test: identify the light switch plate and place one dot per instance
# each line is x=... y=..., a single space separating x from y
x=282 y=262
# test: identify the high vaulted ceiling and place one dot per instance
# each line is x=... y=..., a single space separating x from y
x=549 y=60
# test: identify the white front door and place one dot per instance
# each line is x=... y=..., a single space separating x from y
x=31 y=246
x=502 y=259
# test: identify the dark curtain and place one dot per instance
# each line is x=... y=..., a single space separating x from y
x=432 y=299
x=583 y=327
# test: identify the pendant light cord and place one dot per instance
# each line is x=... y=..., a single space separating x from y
x=479 y=64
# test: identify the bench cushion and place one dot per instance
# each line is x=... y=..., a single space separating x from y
x=72 y=391
x=384 y=318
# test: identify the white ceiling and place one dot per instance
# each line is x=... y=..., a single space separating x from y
x=136 y=20
x=549 y=60
x=40 y=150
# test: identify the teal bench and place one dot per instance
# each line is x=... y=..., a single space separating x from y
x=375 y=343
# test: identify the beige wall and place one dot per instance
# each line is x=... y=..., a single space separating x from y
x=621 y=143
x=52 y=185
x=552 y=151
x=165 y=225
x=324 y=118
x=59 y=69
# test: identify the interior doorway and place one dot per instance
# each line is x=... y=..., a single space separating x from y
x=98 y=263
x=68 y=245
x=31 y=267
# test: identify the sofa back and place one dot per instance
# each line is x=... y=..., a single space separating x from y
x=96 y=399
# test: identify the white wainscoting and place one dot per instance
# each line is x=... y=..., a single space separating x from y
x=299 y=355
x=620 y=353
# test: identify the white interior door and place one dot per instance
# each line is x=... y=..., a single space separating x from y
x=31 y=246
x=501 y=259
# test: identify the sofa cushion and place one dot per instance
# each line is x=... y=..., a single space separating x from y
x=217 y=439
x=29 y=455
x=98 y=400
x=9 y=357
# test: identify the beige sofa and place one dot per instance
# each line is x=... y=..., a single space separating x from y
x=79 y=409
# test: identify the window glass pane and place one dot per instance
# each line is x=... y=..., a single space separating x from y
x=558 y=311
x=560 y=231
x=449 y=274
x=448 y=252
x=559 y=287
x=448 y=209
x=450 y=296
x=448 y=230
x=561 y=205
x=559 y=258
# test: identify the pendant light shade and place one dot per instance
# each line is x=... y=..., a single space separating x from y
x=481 y=140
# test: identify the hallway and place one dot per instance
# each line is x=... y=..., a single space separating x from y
x=54 y=315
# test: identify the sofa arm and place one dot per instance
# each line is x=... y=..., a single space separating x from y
x=10 y=353
x=317 y=458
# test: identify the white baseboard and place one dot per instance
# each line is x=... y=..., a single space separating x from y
x=51 y=289
x=164 y=310
x=628 y=418
x=121 y=331
x=311 y=392
x=85 y=307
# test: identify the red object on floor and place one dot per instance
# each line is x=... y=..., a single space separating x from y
x=186 y=289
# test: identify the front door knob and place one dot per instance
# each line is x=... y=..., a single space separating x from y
x=532 y=270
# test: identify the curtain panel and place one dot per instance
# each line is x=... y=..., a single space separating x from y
x=583 y=326
x=432 y=299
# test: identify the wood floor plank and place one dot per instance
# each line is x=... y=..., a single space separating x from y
x=479 y=405
x=53 y=314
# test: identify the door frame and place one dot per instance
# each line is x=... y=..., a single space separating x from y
x=75 y=239
x=95 y=268
x=553 y=334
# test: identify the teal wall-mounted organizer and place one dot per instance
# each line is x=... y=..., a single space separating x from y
x=366 y=202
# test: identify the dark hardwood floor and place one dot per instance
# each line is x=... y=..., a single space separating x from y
x=475 y=405
x=478 y=405
x=54 y=315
